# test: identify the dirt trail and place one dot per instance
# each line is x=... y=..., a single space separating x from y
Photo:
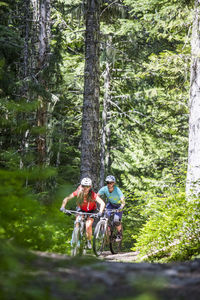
x=121 y=257
x=116 y=277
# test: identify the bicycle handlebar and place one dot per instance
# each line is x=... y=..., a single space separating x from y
x=113 y=210
x=75 y=212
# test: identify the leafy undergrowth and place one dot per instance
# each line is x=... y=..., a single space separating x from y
x=28 y=275
x=171 y=232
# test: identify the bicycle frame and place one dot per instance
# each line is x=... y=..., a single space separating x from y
x=106 y=230
x=109 y=219
x=79 y=239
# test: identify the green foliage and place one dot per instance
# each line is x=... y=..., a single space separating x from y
x=10 y=47
x=149 y=79
x=28 y=222
x=25 y=275
x=133 y=219
x=14 y=273
x=189 y=244
x=171 y=230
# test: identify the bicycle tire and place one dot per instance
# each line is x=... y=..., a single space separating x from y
x=76 y=248
x=99 y=237
x=115 y=246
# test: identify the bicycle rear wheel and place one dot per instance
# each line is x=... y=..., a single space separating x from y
x=115 y=246
x=99 y=237
x=76 y=245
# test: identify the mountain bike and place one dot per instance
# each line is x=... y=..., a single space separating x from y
x=106 y=233
x=79 y=239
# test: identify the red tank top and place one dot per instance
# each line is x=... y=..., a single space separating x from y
x=87 y=205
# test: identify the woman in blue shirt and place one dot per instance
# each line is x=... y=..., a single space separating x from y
x=115 y=199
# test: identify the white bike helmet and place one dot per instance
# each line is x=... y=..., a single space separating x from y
x=110 y=178
x=86 y=181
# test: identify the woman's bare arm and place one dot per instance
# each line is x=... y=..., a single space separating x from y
x=66 y=199
x=101 y=202
x=122 y=200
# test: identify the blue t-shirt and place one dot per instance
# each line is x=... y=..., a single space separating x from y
x=113 y=197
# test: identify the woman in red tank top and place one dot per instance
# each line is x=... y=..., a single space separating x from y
x=86 y=201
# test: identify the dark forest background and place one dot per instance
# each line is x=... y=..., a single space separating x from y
x=144 y=80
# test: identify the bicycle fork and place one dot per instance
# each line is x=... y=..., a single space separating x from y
x=106 y=229
x=77 y=225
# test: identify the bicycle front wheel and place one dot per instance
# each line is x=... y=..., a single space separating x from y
x=76 y=248
x=115 y=245
x=99 y=237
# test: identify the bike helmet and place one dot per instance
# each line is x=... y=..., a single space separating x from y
x=86 y=181
x=110 y=178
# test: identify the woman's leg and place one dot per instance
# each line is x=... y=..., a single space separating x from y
x=77 y=223
x=89 y=223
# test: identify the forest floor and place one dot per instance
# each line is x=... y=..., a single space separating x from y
x=112 y=277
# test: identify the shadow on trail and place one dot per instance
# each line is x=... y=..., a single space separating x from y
x=51 y=276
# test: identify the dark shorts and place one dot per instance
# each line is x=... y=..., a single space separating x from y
x=114 y=206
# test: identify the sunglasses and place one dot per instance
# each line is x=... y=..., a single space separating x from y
x=86 y=186
x=109 y=182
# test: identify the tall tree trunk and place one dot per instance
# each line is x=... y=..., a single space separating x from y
x=90 y=120
x=104 y=122
x=108 y=161
x=51 y=125
x=44 y=32
x=24 y=9
x=193 y=172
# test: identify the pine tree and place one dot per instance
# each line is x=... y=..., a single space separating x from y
x=90 y=118
x=193 y=171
